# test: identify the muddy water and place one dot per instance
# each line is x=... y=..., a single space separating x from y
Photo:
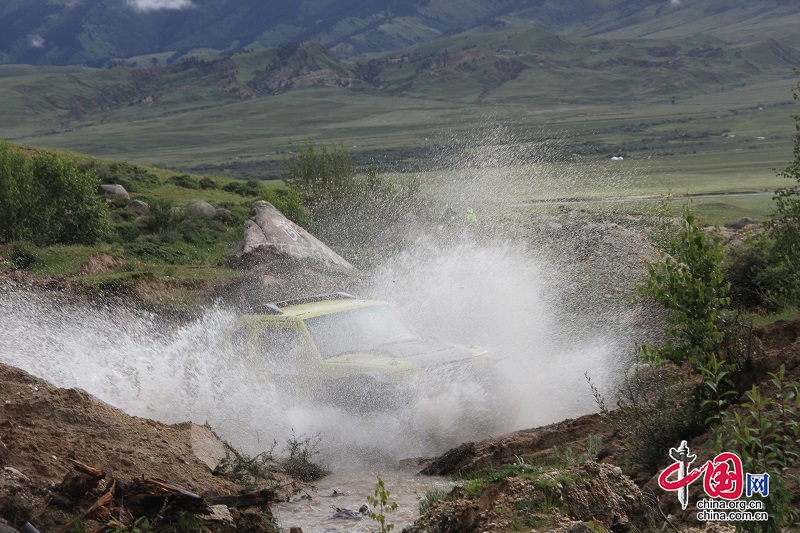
x=349 y=489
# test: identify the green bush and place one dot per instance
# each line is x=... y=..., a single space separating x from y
x=690 y=285
x=353 y=213
x=745 y=267
x=249 y=188
x=161 y=218
x=300 y=464
x=775 y=281
x=290 y=203
x=765 y=433
x=208 y=183
x=157 y=252
x=23 y=255
x=785 y=231
x=185 y=181
x=655 y=409
x=132 y=177
x=48 y=199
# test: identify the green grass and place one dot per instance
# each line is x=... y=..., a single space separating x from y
x=180 y=118
x=62 y=260
x=760 y=321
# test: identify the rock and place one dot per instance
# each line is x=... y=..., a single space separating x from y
x=138 y=207
x=114 y=190
x=15 y=473
x=267 y=228
x=579 y=527
x=201 y=209
x=5 y=454
x=222 y=516
x=740 y=223
x=207 y=447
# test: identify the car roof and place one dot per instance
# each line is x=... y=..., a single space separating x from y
x=312 y=306
x=326 y=307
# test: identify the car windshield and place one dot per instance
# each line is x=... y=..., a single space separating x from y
x=357 y=330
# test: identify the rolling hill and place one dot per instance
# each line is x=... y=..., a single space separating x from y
x=606 y=81
x=94 y=32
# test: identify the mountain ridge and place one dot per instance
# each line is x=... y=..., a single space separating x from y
x=94 y=32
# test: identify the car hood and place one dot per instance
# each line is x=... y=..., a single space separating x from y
x=425 y=353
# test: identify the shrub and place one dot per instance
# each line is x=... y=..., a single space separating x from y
x=656 y=408
x=161 y=218
x=690 y=285
x=48 y=199
x=290 y=203
x=299 y=464
x=351 y=212
x=156 y=252
x=250 y=188
x=785 y=230
x=185 y=181
x=746 y=267
x=247 y=471
x=765 y=433
x=132 y=177
x=208 y=183
x=776 y=276
x=23 y=255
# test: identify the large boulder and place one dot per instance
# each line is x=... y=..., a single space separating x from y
x=113 y=190
x=138 y=207
x=268 y=229
x=201 y=209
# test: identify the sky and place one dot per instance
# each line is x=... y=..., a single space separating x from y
x=155 y=5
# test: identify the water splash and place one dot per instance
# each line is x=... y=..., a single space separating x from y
x=491 y=293
x=493 y=296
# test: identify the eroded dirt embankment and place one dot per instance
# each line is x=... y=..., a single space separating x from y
x=45 y=430
x=616 y=502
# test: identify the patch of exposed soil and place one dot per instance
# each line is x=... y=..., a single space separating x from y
x=100 y=263
x=44 y=430
x=571 y=500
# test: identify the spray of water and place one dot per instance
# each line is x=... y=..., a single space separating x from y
x=493 y=296
x=497 y=294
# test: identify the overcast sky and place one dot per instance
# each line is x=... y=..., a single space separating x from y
x=154 y=5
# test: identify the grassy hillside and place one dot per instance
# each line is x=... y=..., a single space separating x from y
x=236 y=116
x=169 y=244
x=96 y=32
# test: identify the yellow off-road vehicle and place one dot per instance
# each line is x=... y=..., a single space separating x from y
x=349 y=352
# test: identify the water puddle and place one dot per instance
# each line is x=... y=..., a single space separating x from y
x=348 y=488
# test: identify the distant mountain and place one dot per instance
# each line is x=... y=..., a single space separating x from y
x=94 y=32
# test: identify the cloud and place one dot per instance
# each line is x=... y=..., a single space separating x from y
x=675 y=2
x=157 y=5
x=36 y=41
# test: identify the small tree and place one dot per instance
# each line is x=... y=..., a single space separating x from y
x=349 y=211
x=689 y=284
x=322 y=176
